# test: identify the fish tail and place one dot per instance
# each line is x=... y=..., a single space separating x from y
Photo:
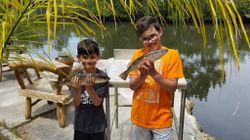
x=124 y=75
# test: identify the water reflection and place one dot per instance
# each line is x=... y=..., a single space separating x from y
x=226 y=112
x=221 y=106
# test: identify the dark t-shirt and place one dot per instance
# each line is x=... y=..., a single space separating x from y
x=89 y=118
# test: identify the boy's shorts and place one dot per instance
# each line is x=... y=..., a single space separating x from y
x=140 y=133
x=78 y=135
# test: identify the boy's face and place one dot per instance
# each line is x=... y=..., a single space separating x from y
x=89 y=61
x=150 y=38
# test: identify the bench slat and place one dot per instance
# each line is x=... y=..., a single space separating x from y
x=41 y=89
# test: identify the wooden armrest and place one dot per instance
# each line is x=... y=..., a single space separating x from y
x=40 y=65
x=21 y=63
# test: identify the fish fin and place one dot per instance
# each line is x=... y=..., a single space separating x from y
x=124 y=75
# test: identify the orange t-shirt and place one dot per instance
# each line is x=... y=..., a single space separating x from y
x=151 y=105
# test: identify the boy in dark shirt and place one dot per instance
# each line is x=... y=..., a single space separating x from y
x=90 y=121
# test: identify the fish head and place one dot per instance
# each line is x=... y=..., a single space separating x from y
x=162 y=51
x=101 y=76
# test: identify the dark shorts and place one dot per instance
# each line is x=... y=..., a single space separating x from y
x=78 y=135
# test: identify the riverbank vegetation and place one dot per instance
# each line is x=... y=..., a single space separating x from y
x=143 y=7
x=13 y=131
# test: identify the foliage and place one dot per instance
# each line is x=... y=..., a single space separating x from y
x=18 y=18
x=244 y=7
x=2 y=137
x=3 y=124
x=13 y=130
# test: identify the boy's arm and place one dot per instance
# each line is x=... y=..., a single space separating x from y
x=77 y=97
x=169 y=84
x=176 y=70
x=96 y=100
x=76 y=89
x=136 y=81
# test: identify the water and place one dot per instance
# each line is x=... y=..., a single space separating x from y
x=225 y=113
x=221 y=106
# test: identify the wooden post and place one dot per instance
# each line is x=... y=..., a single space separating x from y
x=59 y=88
x=20 y=78
x=28 y=108
x=25 y=72
x=38 y=74
x=60 y=107
x=60 y=114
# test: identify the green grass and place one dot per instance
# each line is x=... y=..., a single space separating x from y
x=3 y=137
x=13 y=130
x=3 y=124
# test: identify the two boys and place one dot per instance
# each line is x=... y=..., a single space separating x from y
x=154 y=84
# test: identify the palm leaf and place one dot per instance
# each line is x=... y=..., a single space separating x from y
x=241 y=23
x=48 y=24
x=55 y=19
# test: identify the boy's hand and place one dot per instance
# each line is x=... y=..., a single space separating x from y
x=75 y=83
x=143 y=68
x=90 y=80
x=146 y=67
x=151 y=67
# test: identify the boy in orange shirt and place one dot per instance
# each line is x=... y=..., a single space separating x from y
x=154 y=84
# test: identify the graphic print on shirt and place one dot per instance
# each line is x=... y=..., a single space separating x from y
x=85 y=99
x=149 y=92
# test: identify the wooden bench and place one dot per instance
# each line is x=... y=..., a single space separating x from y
x=39 y=87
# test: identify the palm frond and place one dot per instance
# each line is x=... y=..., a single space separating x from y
x=240 y=22
x=48 y=24
x=55 y=19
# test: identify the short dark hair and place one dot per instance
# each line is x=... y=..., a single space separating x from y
x=87 y=47
x=145 y=22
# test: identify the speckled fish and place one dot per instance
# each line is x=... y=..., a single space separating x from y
x=99 y=78
x=153 y=55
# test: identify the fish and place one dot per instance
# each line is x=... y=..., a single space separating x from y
x=153 y=55
x=99 y=78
